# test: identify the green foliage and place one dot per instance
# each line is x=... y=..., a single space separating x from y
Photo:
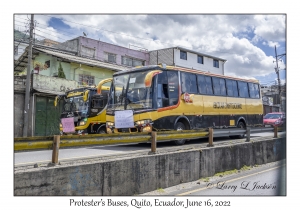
x=221 y=174
x=61 y=73
x=18 y=35
x=206 y=179
x=160 y=190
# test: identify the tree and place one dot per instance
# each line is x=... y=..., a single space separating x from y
x=61 y=73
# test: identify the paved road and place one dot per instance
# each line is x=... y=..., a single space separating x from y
x=263 y=180
x=45 y=156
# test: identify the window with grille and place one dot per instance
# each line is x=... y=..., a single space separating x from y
x=131 y=61
x=110 y=57
x=86 y=80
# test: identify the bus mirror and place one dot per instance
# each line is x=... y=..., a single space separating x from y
x=85 y=95
x=101 y=83
x=57 y=98
x=149 y=76
x=55 y=101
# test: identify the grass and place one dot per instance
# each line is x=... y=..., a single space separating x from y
x=245 y=168
x=206 y=179
x=160 y=190
x=234 y=171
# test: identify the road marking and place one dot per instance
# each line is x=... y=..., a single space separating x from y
x=76 y=158
x=64 y=159
x=231 y=180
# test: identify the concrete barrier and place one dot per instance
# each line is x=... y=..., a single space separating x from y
x=140 y=174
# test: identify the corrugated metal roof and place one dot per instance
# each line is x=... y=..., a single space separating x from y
x=21 y=63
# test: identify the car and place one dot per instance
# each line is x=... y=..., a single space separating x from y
x=274 y=119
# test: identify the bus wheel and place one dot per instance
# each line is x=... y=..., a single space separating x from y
x=179 y=126
x=240 y=125
x=101 y=130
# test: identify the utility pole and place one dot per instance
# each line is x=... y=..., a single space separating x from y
x=28 y=81
x=277 y=72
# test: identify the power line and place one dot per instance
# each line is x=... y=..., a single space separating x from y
x=99 y=28
x=92 y=27
x=170 y=44
x=109 y=31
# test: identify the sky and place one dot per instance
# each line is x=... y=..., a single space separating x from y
x=246 y=41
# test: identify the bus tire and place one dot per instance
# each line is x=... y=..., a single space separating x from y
x=179 y=126
x=239 y=125
x=101 y=130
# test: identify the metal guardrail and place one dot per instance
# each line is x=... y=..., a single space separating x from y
x=55 y=142
x=46 y=142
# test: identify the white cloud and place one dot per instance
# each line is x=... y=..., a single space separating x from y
x=271 y=27
x=271 y=44
x=232 y=37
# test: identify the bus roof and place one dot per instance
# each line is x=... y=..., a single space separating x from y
x=176 y=68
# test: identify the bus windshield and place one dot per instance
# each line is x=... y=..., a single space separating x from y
x=73 y=104
x=128 y=91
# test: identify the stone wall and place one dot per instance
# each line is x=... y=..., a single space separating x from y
x=137 y=175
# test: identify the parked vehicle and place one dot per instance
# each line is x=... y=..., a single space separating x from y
x=84 y=109
x=274 y=119
x=160 y=97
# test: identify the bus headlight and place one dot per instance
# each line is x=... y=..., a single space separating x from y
x=146 y=129
x=110 y=124
x=143 y=122
x=83 y=122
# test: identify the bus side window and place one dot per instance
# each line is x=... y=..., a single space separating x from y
x=243 y=89
x=229 y=87
x=162 y=90
x=223 y=87
x=189 y=84
x=98 y=103
x=173 y=87
x=216 y=85
x=209 y=89
x=235 y=89
x=201 y=84
x=256 y=87
x=251 y=90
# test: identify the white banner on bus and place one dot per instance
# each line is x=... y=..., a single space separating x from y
x=124 y=119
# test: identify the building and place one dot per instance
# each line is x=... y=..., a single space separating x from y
x=49 y=43
x=19 y=48
x=46 y=62
x=178 y=56
x=83 y=61
x=110 y=53
x=45 y=84
x=272 y=100
x=20 y=45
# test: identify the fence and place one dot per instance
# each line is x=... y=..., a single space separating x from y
x=55 y=142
